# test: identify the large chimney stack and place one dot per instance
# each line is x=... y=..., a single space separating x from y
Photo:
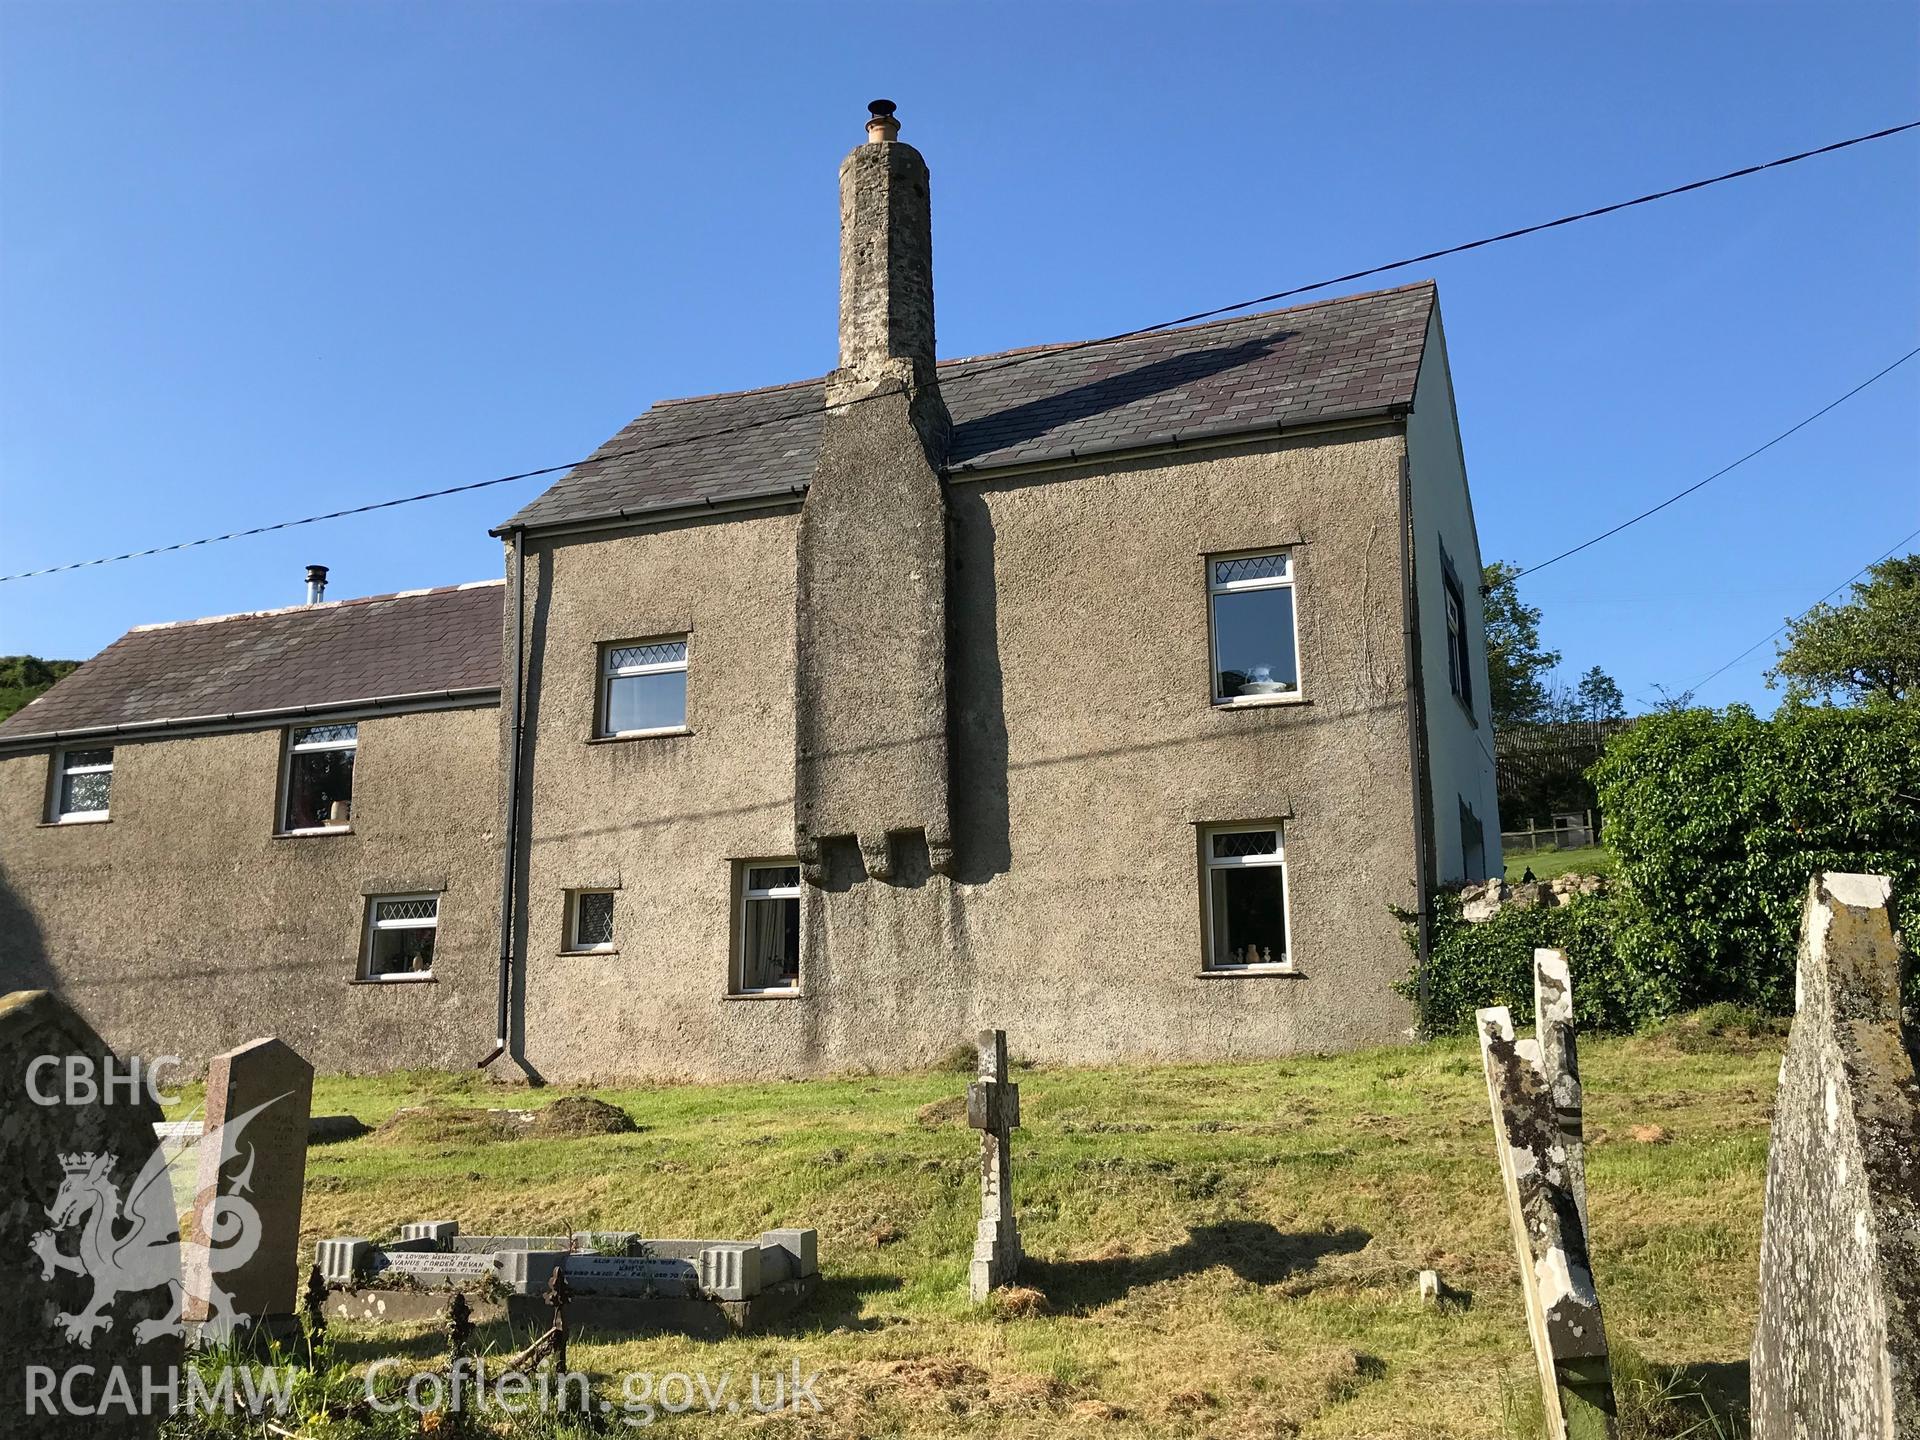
x=871 y=728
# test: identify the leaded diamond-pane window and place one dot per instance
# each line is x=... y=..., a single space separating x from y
x=592 y=920
x=1250 y=567
x=84 y=785
x=643 y=687
x=401 y=930
x=1246 y=884
x=1235 y=844
x=659 y=652
x=1256 y=654
x=769 y=956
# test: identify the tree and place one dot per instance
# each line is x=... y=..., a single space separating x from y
x=1597 y=698
x=1867 y=649
x=1516 y=663
x=22 y=677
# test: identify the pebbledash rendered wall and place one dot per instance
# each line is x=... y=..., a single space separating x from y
x=1085 y=755
x=183 y=925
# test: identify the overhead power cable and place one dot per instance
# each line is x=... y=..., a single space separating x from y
x=1724 y=469
x=1909 y=536
x=1007 y=363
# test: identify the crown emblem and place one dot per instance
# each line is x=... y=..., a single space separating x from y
x=79 y=1162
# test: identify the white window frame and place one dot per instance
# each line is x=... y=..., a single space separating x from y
x=286 y=775
x=62 y=769
x=574 y=945
x=1278 y=860
x=373 y=925
x=743 y=872
x=609 y=672
x=1234 y=587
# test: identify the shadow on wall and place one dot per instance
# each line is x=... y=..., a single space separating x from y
x=1254 y=1250
x=1000 y=429
x=976 y=709
x=23 y=954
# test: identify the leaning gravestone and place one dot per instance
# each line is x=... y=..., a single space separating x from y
x=1563 y=1310
x=88 y=1260
x=993 y=1108
x=1837 y=1349
x=242 y=1244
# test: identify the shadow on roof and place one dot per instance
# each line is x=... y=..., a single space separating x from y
x=1016 y=425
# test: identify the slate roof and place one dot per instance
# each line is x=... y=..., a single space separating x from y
x=1358 y=355
x=308 y=657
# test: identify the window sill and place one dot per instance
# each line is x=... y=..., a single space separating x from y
x=796 y=993
x=1252 y=972
x=597 y=952
x=1256 y=702
x=73 y=820
x=424 y=977
x=666 y=734
x=315 y=833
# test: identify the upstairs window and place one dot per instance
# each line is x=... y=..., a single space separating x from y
x=319 y=788
x=1246 y=882
x=1459 y=667
x=589 y=921
x=1256 y=656
x=400 y=936
x=769 y=957
x=83 y=780
x=643 y=687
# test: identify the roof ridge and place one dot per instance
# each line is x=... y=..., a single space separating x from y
x=1069 y=344
x=316 y=606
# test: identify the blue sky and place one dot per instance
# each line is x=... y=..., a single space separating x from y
x=258 y=261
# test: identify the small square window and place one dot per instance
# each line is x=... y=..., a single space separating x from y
x=768 y=959
x=318 y=794
x=1256 y=653
x=643 y=687
x=83 y=783
x=590 y=921
x=1246 y=898
x=400 y=936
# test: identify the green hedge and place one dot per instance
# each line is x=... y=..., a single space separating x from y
x=1717 y=820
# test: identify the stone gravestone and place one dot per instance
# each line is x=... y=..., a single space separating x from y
x=67 y=1169
x=993 y=1108
x=242 y=1250
x=1560 y=1060
x=1837 y=1348
x=1563 y=1312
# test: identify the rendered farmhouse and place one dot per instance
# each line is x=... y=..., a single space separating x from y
x=1112 y=692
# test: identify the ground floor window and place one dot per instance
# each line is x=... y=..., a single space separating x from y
x=590 y=921
x=1246 y=897
x=1473 y=844
x=400 y=935
x=769 y=928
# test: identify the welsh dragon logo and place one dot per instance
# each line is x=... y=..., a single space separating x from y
x=137 y=1242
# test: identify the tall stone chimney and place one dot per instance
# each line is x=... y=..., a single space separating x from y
x=871 y=731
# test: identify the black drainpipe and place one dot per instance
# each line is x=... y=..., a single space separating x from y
x=510 y=851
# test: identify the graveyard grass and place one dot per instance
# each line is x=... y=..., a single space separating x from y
x=1220 y=1250
x=1550 y=862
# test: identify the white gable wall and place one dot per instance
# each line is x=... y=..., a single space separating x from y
x=1459 y=741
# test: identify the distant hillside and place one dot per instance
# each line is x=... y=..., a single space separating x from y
x=24 y=676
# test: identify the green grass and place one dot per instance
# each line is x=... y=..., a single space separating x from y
x=1587 y=860
x=1224 y=1250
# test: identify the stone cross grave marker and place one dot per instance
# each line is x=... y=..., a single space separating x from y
x=241 y=1250
x=993 y=1108
x=1837 y=1348
x=1560 y=1060
x=1549 y=1235
x=88 y=1260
